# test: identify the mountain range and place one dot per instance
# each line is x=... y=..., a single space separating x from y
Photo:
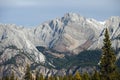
x=56 y=47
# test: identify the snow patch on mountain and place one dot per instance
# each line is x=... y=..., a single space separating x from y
x=96 y=24
x=102 y=22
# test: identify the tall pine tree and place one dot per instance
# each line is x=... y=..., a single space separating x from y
x=28 y=75
x=108 y=59
x=37 y=76
x=96 y=76
x=41 y=76
x=77 y=76
x=85 y=76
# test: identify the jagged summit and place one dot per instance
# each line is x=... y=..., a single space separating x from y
x=72 y=17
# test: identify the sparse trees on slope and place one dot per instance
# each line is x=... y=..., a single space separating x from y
x=108 y=59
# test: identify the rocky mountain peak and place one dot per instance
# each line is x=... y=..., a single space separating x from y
x=72 y=17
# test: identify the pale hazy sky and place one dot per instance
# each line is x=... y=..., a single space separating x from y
x=35 y=12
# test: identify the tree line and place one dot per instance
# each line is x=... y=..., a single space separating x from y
x=107 y=68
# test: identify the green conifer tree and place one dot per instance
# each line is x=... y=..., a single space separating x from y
x=77 y=76
x=60 y=77
x=85 y=76
x=41 y=77
x=55 y=78
x=50 y=78
x=37 y=77
x=70 y=77
x=27 y=73
x=108 y=59
x=65 y=77
x=96 y=76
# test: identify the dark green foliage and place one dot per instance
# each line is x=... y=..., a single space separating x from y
x=1 y=52
x=108 y=59
x=37 y=77
x=65 y=77
x=10 y=77
x=118 y=64
x=51 y=78
x=70 y=77
x=6 y=78
x=10 y=61
x=96 y=76
x=55 y=78
x=41 y=49
x=28 y=75
x=77 y=76
x=84 y=58
x=60 y=78
x=41 y=77
x=85 y=76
